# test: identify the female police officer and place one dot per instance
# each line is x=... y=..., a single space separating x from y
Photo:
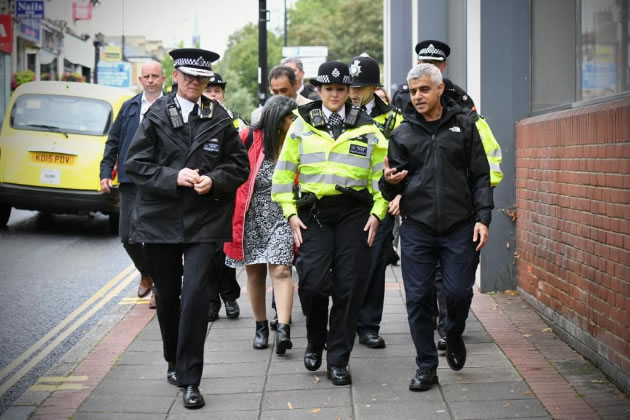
x=339 y=154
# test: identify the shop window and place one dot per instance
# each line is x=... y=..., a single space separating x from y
x=580 y=51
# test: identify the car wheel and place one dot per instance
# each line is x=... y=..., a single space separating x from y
x=5 y=213
x=114 y=220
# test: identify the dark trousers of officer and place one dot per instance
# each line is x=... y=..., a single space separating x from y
x=382 y=254
x=226 y=287
x=183 y=321
x=135 y=250
x=339 y=242
x=459 y=259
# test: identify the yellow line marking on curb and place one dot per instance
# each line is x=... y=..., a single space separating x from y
x=40 y=388
x=49 y=348
x=11 y=366
x=62 y=379
x=70 y=387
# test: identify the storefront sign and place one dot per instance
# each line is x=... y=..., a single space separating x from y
x=29 y=29
x=29 y=9
x=6 y=34
x=114 y=74
x=111 y=53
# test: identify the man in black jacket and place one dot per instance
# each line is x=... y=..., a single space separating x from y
x=437 y=162
x=187 y=161
x=131 y=113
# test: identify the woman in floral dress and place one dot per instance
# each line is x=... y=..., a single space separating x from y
x=261 y=236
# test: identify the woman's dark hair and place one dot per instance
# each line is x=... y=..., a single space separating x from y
x=275 y=110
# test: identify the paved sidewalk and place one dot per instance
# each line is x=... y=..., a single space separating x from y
x=242 y=383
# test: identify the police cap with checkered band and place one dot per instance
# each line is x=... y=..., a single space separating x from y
x=432 y=50
x=194 y=61
x=332 y=72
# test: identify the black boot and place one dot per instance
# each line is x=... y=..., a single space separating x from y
x=262 y=335
x=283 y=338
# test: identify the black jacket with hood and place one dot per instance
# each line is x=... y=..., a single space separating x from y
x=167 y=213
x=448 y=183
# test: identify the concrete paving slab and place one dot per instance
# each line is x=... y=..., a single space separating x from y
x=393 y=393
x=119 y=416
x=243 y=384
x=113 y=404
x=139 y=387
x=142 y=358
x=17 y=413
x=308 y=413
x=313 y=398
x=477 y=375
x=517 y=390
x=243 y=356
x=196 y=415
x=402 y=411
x=126 y=372
x=391 y=350
x=294 y=367
x=391 y=364
x=233 y=370
x=497 y=409
x=309 y=380
x=216 y=345
x=146 y=345
x=231 y=334
x=232 y=403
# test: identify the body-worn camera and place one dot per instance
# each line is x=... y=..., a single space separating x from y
x=317 y=118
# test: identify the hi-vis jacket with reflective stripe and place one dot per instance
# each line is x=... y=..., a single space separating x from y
x=492 y=149
x=381 y=113
x=354 y=160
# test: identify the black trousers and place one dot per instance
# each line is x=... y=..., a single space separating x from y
x=226 y=287
x=458 y=259
x=135 y=250
x=334 y=239
x=182 y=306
x=440 y=311
x=371 y=311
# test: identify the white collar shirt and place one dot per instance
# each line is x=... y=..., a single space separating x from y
x=145 y=104
x=341 y=112
x=370 y=106
x=187 y=106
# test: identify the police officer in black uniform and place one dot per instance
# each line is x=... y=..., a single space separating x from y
x=187 y=161
x=434 y=52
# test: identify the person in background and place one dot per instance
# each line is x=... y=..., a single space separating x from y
x=282 y=82
x=304 y=89
x=382 y=93
x=227 y=288
x=129 y=117
x=261 y=237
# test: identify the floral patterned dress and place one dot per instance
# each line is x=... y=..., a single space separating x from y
x=267 y=234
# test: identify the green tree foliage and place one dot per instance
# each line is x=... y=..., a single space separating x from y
x=239 y=66
x=347 y=27
x=167 y=67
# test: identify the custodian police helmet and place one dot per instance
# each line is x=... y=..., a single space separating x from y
x=364 y=71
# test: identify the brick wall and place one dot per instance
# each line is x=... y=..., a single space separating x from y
x=573 y=227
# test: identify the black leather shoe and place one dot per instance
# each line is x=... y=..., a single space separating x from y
x=339 y=375
x=456 y=353
x=171 y=376
x=213 y=314
x=312 y=357
x=273 y=324
x=371 y=339
x=283 y=338
x=425 y=378
x=232 y=310
x=192 y=397
x=262 y=335
x=441 y=344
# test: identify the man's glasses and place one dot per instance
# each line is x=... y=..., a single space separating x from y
x=201 y=79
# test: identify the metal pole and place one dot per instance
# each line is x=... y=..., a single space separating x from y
x=122 y=3
x=262 y=51
x=286 y=29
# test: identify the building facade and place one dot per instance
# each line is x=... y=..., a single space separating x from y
x=553 y=80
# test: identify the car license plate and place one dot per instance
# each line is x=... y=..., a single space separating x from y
x=54 y=158
x=50 y=176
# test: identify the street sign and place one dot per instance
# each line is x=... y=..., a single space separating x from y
x=114 y=74
x=29 y=9
x=311 y=56
x=111 y=53
x=30 y=29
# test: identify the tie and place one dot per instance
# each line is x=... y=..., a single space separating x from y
x=336 y=124
x=194 y=113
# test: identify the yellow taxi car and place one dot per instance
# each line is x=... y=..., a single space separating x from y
x=51 y=145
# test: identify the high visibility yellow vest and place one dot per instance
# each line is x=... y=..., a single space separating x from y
x=354 y=160
x=381 y=120
x=492 y=148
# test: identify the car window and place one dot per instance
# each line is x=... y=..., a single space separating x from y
x=66 y=114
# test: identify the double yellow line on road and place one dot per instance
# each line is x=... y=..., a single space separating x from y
x=108 y=292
